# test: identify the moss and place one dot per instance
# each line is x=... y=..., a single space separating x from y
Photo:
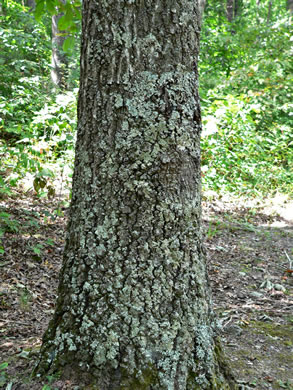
x=140 y=381
x=281 y=331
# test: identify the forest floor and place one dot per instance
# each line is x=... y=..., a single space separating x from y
x=249 y=252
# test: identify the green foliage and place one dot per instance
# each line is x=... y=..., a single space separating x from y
x=245 y=87
x=37 y=123
x=69 y=22
x=49 y=137
x=246 y=83
x=286 y=385
x=24 y=61
x=213 y=230
x=7 y=224
x=51 y=379
x=3 y=374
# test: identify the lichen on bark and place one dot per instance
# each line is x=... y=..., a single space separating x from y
x=134 y=308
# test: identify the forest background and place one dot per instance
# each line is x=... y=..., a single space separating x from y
x=245 y=88
x=246 y=97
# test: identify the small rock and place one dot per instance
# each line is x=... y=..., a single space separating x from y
x=256 y=294
x=279 y=287
x=266 y=318
x=233 y=329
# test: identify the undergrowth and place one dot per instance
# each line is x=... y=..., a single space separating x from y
x=245 y=88
x=246 y=92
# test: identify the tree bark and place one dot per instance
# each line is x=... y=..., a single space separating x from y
x=2 y=9
x=134 y=304
x=59 y=58
x=230 y=10
x=290 y=5
x=202 y=4
x=31 y=4
x=269 y=16
x=237 y=7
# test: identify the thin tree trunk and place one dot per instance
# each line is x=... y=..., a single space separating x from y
x=230 y=10
x=2 y=9
x=237 y=8
x=59 y=58
x=31 y=4
x=202 y=4
x=134 y=307
x=269 y=11
x=290 y=5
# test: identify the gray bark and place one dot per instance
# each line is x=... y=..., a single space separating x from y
x=2 y=9
x=31 y=4
x=230 y=10
x=269 y=11
x=290 y=5
x=202 y=4
x=237 y=7
x=134 y=306
x=59 y=58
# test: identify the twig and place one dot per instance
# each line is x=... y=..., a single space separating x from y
x=290 y=261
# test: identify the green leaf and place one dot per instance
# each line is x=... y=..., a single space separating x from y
x=73 y=28
x=2 y=380
x=64 y=23
x=46 y=387
x=67 y=19
x=3 y=365
x=45 y=172
x=51 y=7
x=39 y=10
x=24 y=354
x=77 y=13
x=68 y=44
x=37 y=250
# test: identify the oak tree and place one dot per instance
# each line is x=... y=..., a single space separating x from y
x=134 y=304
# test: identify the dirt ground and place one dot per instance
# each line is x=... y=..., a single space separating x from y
x=250 y=259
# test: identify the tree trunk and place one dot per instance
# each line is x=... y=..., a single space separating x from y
x=202 y=4
x=237 y=7
x=2 y=9
x=290 y=5
x=59 y=58
x=31 y=4
x=230 y=10
x=134 y=306
x=269 y=16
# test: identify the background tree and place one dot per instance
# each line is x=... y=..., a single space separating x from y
x=270 y=5
x=31 y=4
x=202 y=4
x=290 y=5
x=232 y=8
x=59 y=71
x=239 y=120
x=134 y=308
